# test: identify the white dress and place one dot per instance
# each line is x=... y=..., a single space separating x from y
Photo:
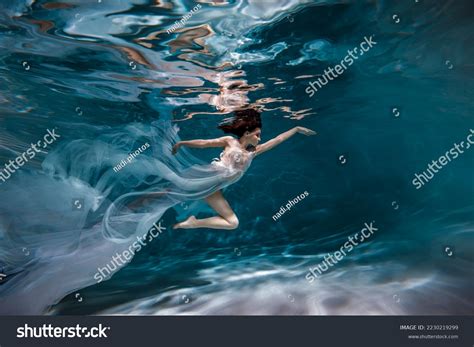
x=49 y=247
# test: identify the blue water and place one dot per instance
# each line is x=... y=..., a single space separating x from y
x=90 y=67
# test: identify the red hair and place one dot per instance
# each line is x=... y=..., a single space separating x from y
x=243 y=121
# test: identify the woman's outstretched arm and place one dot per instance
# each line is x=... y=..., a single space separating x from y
x=283 y=137
x=219 y=142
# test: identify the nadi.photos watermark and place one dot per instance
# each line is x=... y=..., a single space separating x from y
x=120 y=259
x=450 y=154
x=179 y=24
x=131 y=157
x=335 y=257
x=289 y=205
x=339 y=69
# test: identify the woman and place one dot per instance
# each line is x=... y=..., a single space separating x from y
x=234 y=160
x=56 y=251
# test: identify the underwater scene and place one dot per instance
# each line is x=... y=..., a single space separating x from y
x=236 y=157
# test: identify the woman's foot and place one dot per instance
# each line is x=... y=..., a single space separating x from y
x=187 y=224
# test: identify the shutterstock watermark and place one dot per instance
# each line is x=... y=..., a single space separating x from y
x=117 y=261
x=13 y=165
x=451 y=154
x=366 y=232
x=48 y=330
x=184 y=19
x=339 y=69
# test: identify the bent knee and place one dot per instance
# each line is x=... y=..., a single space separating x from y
x=233 y=222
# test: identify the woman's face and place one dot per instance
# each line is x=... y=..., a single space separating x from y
x=254 y=137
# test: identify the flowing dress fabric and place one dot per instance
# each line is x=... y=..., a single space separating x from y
x=60 y=226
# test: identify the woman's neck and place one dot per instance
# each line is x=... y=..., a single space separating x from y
x=246 y=145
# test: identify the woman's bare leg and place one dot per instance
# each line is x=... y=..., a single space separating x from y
x=226 y=219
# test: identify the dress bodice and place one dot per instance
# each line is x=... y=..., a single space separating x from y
x=235 y=159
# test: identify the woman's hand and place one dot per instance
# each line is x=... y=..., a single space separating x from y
x=305 y=131
x=175 y=148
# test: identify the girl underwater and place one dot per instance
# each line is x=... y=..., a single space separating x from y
x=55 y=248
x=235 y=160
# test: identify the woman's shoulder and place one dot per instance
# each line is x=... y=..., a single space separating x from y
x=230 y=140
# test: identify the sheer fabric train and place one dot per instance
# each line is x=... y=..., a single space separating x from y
x=50 y=247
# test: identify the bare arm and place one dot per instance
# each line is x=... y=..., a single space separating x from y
x=283 y=137
x=219 y=142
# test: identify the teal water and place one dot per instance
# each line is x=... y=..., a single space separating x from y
x=90 y=67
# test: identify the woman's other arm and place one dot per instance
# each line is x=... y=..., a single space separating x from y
x=283 y=137
x=219 y=142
